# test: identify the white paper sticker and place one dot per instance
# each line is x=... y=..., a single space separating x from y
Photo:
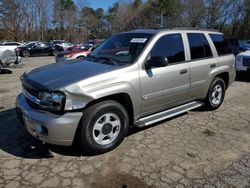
x=138 y=40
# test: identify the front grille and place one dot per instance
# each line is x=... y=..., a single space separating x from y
x=246 y=62
x=32 y=104
x=31 y=90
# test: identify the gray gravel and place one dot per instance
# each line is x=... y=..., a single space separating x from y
x=196 y=149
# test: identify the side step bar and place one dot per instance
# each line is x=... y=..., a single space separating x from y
x=154 y=118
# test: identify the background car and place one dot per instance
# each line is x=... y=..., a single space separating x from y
x=243 y=62
x=38 y=49
x=62 y=43
x=11 y=44
x=245 y=46
x=77 y=53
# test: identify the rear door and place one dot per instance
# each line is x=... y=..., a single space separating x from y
x=168 y=86
x=202 y=62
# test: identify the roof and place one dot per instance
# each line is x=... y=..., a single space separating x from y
x=155 y=31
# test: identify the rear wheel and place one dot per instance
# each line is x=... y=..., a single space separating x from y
x=1 y=64
x=80 y=57
x=103 y=127
x=26 y=53
x=216 y=94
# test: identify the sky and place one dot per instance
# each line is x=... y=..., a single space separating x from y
x=105 y=4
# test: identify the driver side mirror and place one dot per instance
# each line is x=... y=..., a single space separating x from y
x=156 y=62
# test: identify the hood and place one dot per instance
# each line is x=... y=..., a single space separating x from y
x=246 y=53
x=58 y=75
x=245 y=46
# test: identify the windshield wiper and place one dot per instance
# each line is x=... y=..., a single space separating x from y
x=111 y=60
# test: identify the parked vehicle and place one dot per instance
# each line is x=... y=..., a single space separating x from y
x=235 y=46
x=8 y=57
x=243 y=62
x=245 y=47
x=38 y=49
x=80 y=52
x=151 y=75
x=11 y=44
x=80 y=46
x=62 y=43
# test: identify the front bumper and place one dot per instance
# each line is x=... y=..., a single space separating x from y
x=45 y=126
x=240 y=67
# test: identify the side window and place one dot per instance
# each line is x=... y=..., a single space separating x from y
x=221 y=44
x=207 y=48
x=171 y=47
x=199 y=46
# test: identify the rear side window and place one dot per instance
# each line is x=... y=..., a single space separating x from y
x=199 y=46
x=171 y=47
x=221 y=44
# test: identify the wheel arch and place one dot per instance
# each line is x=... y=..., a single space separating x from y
x=225 y=77
x=122 y=98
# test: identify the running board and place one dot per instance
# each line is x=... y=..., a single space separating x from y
x=151 y=119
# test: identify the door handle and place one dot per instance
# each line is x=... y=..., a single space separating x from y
x=213 y=65
x=183 y=71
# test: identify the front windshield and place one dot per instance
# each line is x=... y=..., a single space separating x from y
x=123 y=48
x=30 y=44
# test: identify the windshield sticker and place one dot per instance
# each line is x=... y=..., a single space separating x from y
x=138 y=40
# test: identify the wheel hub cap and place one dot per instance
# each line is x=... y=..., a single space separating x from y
x=106 y=129
x=217 y=95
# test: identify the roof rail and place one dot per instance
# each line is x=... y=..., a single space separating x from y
x=194 y=28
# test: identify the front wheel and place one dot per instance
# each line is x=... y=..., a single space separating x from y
x=216 y=94
x=103 y=127
x=55 y=52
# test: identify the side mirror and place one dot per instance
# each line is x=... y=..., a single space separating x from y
x=156 y=61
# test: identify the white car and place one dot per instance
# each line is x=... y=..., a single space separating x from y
x=243 y=62
x=62 y=43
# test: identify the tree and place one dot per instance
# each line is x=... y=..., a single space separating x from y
x=194 y=12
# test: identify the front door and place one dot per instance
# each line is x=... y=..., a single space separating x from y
x=168 y=86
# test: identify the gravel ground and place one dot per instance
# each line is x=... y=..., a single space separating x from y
x=196 y=149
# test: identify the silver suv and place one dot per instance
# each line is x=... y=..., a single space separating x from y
x=134 y=78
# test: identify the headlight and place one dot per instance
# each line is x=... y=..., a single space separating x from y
x=52 y=100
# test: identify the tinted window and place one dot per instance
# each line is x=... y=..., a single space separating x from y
x=199 y=47
x=207 y=48
x=171 y=47
x=221 y=44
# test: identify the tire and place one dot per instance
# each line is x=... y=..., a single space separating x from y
x=1 y=64
x=55 y=52
x=80 y=57
x=216 y=94
x=26 y=53
x=103 y=127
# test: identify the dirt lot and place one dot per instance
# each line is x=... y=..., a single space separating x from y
x=196 y=149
